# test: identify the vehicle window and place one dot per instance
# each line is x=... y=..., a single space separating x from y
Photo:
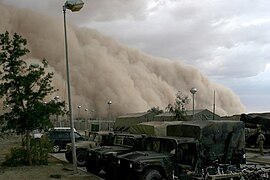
x=154 y=145
x=97 y=138
x=107 y=139
x=92 y=137
x=169 y=146
x=161 y=145
x=186 y=153
x=128 y=141
x=119 y=140
x=77 y=135
x=64 y=135
x=104 y=138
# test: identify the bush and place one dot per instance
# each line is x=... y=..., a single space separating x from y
x=17 y=157
x=40 y=149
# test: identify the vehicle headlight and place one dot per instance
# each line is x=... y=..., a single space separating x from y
x=99 y=156
x=119 y=162
x=89 y=154
x=135 y=165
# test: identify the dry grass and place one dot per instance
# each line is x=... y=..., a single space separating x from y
x=56 y=169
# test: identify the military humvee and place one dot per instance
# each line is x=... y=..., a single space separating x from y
x=99 y=158
x=96 y=139
x=191 y=150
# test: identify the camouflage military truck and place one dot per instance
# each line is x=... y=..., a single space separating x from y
x=99 y=158
x=191 y=150
x=96 y=139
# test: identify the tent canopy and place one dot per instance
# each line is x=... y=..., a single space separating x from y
x=253 y=121
x=158 y=128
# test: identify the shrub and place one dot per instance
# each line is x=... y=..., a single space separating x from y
x=40 y=149
x=17 y=157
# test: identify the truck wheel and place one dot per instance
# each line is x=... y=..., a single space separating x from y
x=151 y=174
x=92 y=167
x=56 y=148
x=81 y=157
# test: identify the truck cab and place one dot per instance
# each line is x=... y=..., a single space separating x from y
x=96 y=139
x=99 y=158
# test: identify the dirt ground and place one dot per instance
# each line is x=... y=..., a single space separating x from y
x=56 y=169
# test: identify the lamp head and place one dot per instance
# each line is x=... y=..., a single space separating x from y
x=56 y=97
x=193 y=90
x=74 y=5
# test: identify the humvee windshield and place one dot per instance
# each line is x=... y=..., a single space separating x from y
x=186 y=153
x=124 y=140
x=162 y=145
x=129 y=141
x=95 y=137
x=102 y=138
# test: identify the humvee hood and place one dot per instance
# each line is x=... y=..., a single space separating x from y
x=106 y=149
x=142 y=155
x=83 y=144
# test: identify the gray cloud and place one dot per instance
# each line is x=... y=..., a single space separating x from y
x=201 y=33
x=227 y=40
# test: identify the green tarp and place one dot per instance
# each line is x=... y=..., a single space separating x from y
x=158 y=128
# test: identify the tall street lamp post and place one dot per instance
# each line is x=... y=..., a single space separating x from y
x=193 y=91
x=109 y=111
x=79 y=112
x=56 y=98
x=73 y=5
x=86 y=120
x=214 y=105
x=92 y=114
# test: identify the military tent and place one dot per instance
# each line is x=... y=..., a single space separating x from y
x=199 y=114
x=123 y=123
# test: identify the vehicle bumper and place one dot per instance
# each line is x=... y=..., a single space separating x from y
x=124 y=172
x=68 y=156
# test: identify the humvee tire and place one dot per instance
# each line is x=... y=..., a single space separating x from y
x=151 y=174
x=81 y=157
x=92 y=167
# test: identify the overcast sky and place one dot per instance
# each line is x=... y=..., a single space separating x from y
x=228 y=40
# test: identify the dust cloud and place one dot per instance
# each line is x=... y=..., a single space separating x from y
x=102 y=70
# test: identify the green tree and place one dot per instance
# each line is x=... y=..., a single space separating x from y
x=23 y=88
x=155 y=110
x=179 y=106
